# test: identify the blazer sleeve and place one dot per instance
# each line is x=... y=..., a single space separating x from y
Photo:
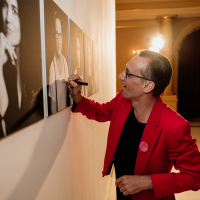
x=94 y=110
x=183 y=151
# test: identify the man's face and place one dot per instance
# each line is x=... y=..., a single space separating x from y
x=58 y=36
x=78 y=49
x=133 y=86
x=11 y=21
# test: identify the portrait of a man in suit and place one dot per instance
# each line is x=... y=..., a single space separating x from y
x=57 y=57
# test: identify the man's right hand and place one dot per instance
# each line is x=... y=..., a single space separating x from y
x=74 y=88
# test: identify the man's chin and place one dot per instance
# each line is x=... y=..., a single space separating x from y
x=124 y=95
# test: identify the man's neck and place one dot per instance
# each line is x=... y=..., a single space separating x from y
x=143 y=107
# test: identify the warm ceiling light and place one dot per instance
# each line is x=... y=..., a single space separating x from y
x=158 y=42
x=133 y=51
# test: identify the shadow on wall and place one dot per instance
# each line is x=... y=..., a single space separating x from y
x=36 y=109
x=46 y=150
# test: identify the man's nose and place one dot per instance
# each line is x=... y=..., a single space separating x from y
x=122 y=76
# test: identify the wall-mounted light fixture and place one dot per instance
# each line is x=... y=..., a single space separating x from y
x=157 y=43
x=136 y=52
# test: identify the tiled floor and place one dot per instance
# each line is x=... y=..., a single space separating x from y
x=189 y=195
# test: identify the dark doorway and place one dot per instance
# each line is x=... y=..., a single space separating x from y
x=189 y=77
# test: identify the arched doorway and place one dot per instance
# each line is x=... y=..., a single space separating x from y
x=189 y=76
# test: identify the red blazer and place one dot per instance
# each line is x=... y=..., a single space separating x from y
x=169 y=142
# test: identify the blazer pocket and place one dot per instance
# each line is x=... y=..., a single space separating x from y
x=159 y=153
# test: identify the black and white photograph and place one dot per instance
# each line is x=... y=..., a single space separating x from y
x=57 y=57
x=96 y=69
x=89 y=68
x=76 y=46
x=21 y=92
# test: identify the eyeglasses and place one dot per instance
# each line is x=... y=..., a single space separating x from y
x=129 y=74
x=58 y=36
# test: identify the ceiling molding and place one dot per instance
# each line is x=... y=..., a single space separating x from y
x=157 y=5
x=136 y=23
x=142 y=1
x=141 y=14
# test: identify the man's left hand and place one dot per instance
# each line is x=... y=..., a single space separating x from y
x=131 y=184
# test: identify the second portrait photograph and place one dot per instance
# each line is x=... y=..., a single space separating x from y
x=57 y=56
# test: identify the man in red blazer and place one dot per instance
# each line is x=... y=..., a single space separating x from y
x=146 y=138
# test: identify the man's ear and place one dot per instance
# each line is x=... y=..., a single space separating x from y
x=148 y=86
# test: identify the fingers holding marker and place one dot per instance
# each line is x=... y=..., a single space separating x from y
x=73 y=84
x=74 y=77
x=72 y=81
x=73 y=87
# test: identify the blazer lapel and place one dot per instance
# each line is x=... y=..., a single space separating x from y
x=115 y=132
x=150 y=136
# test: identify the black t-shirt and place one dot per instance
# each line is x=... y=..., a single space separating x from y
x=126 y=152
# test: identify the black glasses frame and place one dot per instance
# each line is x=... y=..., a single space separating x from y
x=129 y=74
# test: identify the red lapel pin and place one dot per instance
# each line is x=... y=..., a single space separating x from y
x=143 y=146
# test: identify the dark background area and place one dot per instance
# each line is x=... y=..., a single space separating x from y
x=188 y=77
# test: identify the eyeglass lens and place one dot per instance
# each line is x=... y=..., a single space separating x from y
x=126 y=73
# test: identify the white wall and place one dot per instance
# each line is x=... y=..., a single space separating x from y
x=61 y=157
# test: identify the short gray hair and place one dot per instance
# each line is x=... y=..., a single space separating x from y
x=159 y=70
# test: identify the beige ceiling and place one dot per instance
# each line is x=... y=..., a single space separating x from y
x=129 y=11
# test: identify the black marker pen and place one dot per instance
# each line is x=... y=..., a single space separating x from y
x=78 y=82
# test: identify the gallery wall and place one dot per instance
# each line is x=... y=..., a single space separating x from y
x=61 y=156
